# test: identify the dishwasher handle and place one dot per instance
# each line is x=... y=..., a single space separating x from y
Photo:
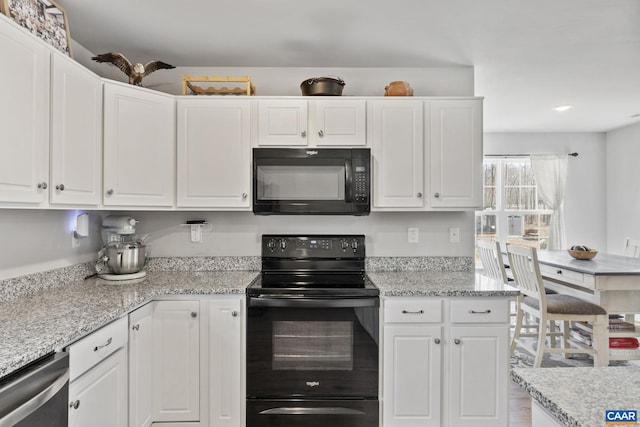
x=37 y=401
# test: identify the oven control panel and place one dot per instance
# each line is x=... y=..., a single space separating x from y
x=317 y=246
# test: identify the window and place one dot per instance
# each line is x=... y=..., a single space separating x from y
x=512 y=211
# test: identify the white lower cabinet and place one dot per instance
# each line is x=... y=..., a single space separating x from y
x=98 y=378
x=226 y=362
x=140 y=366
x=445 y=362
x=176 y=361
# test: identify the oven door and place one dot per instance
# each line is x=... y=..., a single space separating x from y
x=312 y=347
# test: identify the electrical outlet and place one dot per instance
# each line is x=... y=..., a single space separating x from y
x=454 y=235
x=413 y=235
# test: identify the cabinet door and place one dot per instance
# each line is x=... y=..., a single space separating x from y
x=397 y=153
x=140 y=366
x=76 y=139
x=24 y=117
x=412 y=375
x=139 y=147
x=479 y=376
x=282 y=122
x=227 y=396
x=98 y=398
x=176 y=361
x=338 y=122
x=456 y=153
x=214 y=153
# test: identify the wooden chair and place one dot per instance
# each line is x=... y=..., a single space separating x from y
x=632 y=247
x=557 y=307
x=491 y=257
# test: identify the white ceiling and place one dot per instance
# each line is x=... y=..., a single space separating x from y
x=529 y=56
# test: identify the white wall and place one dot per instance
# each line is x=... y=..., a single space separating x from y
x=40 y=240
x=623 y=187
x=585 y=212
x=238 y=233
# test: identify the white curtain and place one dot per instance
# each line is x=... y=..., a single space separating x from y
x=550 y=171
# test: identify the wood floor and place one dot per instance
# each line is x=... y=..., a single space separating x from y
x=519 y=407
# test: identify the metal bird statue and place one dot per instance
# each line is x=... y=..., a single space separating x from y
x=135 y=71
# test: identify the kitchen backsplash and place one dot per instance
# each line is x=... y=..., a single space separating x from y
x=32 y=283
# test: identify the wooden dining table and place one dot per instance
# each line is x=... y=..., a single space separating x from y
x=611 y=281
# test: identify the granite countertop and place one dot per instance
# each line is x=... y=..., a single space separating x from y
x=578 y=397
x=33 y=325
x=439 y=283
x=49 y=318
x=602 y=264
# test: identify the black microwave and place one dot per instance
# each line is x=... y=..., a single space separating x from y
x=311 y=181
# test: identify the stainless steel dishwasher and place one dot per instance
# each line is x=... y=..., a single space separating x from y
x=37 y=395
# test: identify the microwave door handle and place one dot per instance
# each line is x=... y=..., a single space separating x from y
x=348 y=181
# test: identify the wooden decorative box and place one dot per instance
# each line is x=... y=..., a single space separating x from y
x=212 y=85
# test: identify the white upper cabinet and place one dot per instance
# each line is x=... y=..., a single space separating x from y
x=282 y=122
x=318 y=122
x=24 y=117
x=139 y=147
x=338 y=122
x=76 y=138
x=456 y=153
x=397 y=151
x=214 y=153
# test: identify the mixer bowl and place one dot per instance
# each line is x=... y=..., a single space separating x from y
x=126 y=258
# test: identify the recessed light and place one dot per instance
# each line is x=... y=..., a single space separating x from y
x=561 y=108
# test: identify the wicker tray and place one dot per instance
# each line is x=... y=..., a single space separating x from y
x=213 y=85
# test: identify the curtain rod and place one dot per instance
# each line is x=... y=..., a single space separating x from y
x=523 y=155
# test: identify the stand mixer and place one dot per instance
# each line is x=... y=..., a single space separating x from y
x=123 y=255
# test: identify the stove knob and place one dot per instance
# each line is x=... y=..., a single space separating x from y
x=344 y=245
x=354 y=245
x=283 y=244
x=271 y=244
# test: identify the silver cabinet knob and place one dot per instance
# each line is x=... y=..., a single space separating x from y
x=437 y=340
x=136 y=327
x=75 y=404
x=234 y=313
x=42 y=185
x=419 y=195
x=60 y=187
x=194 y=314
x=244 y=195
x=320 y=133
x=109 y=192
x=304 y=134
x=437 y=195
x=456 y=341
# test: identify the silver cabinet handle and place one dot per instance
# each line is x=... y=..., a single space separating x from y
x=320 y=133
x=412 y=312
x=136 y=327
x=98 y=347
x=75 y=404
x=437 y=195
x=42 y=185
x=109 y=192
x=60 y=187
x=559 y=272
x=234 y=313
x=304 y=134
x=194 y=314
x=456 y=341
x=437 y=341
x=479 y=312
x=244 y=195
x=419 y=195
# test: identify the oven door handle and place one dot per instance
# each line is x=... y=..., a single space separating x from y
x=312 y=411
x=348 y=181
x=313 y=302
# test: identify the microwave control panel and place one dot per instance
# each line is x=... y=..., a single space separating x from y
x=360 y=184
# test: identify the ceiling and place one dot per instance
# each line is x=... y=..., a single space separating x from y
x=529 y=56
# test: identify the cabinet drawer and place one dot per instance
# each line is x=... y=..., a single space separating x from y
x=412 y=310
x=564 y=275
x=94 y=348
x=480 y=310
